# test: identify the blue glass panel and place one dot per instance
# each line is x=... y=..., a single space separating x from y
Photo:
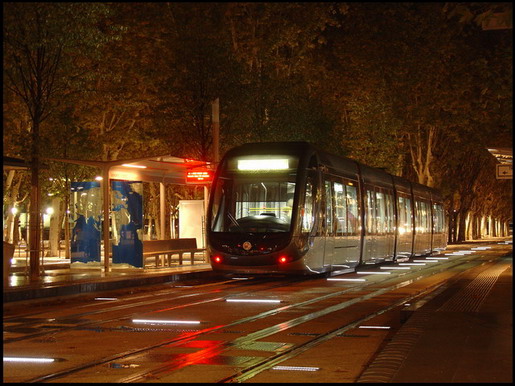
x=127 y=222
x=86 y=214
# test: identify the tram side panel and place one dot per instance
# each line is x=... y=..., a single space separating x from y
x=422 y=220
x=340 y=188
x=379 y=239
x=404 y=225
x=439 y=241
x=341 y=222
x=312 y=222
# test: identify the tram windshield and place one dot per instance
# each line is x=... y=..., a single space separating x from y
x=254 y=197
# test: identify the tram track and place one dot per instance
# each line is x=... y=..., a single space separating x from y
x=119 y=307
x=267 y=363
x=247 y=372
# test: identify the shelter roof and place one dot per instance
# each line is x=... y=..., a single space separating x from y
x=164 y=168
x=503 y=155
x=12 y=163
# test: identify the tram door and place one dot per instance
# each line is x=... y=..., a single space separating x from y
x=329 y=224
x=346 y=238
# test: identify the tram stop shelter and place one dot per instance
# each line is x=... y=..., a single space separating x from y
x=165 y=169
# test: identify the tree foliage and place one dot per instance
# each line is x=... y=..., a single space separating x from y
x=416 y=88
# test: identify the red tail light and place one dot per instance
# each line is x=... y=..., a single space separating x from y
x=283 y=259
x=217 y=259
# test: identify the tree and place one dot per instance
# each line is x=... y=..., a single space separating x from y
x=39 y=38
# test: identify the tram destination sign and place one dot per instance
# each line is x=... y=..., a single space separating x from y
x=504 y=171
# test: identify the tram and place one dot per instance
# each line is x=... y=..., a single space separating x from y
x=290 y=208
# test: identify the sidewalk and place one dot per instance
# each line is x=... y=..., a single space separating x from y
x=464 y=334
x=468 y=334
x=58 y=279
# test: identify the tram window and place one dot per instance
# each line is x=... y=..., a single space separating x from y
x=381 y=222
x=371 y=212
x=422 y=217
x=352 y=209
x=428 y=217
x=218 y=206
x=250 y=206
x=308 y=217
x=328 y=208
x=341 y=208
x=265 y=199
x=389 y=213
x=404 y=208
x=438 y=218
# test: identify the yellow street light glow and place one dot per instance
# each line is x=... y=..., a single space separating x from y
x=27 y=359
x=263 y=164
x=134 y=166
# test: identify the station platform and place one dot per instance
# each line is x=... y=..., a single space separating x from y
x=57 y=278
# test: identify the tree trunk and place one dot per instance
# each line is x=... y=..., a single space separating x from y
x=55 y=228
x=462 y=216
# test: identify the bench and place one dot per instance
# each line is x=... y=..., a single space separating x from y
x=168 y=248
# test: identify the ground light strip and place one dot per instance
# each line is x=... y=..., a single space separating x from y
x=373 y=273
x=253 y=300
x=343 y=279
x=376 y=327
x=30 y=360
x=296 y=368
x=411 y=263
x=395 y=268
x=165 y=321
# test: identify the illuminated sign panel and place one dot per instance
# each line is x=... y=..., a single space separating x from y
x=199 y=176
x=263 y=164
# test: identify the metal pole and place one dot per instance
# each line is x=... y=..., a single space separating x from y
x=42 y=266
x=162 y=196
x=216 y=129
x=35 y=233
x=105 y=225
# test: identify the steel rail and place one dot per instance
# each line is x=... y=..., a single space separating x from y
x=257 y=335
x=218 y=349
